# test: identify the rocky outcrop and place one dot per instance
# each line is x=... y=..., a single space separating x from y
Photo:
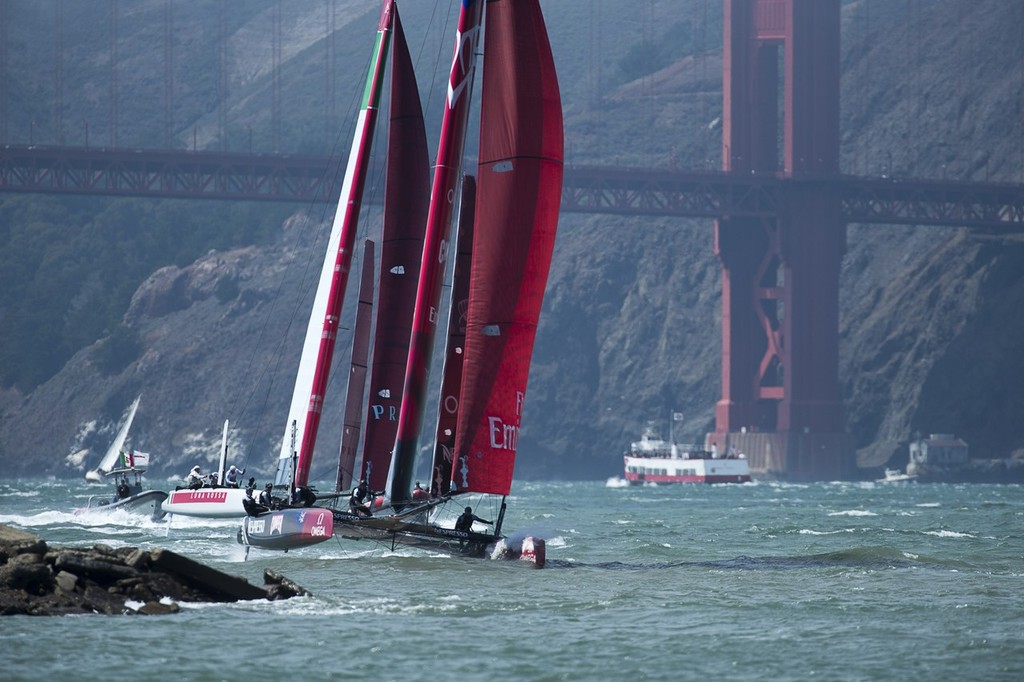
x=39 y=580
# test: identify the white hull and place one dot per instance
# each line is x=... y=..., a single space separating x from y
x=896 y=476
x=665 y=470
x=209 y=503
x=147 y=502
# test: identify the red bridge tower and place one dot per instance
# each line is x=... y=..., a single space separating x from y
x=780 y=402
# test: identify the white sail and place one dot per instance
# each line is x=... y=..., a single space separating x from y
x=114 y=451
x=223 y=454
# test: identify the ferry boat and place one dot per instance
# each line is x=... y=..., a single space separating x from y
x=896 y=476
x=653 y=460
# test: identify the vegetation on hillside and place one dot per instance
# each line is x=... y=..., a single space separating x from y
x=69 y=267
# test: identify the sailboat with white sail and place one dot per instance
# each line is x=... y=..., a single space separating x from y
x=123 y=469
x=516 y=213
x=113 y=453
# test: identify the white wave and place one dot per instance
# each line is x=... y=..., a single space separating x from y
x=21 y=493
x=853 y=512
x=616 y=482
x=948 y=534
x=808 y=531
x=928 y=504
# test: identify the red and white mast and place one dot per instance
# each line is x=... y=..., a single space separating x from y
x=436 y=246
x=322 y=332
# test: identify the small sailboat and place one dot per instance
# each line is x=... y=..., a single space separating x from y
x=113 y=453
x=513 y=227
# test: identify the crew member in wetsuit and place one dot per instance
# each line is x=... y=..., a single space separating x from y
x=419 y=494
x=357 y=502
x=303 y=496
x=465 y=521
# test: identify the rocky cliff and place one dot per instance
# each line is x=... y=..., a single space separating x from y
x=630 y=331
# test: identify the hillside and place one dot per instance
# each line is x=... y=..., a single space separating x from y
x=198 y=305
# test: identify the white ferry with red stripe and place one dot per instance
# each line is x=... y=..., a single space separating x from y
x=654 y=460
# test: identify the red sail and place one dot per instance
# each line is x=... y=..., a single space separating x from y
x=520 y=184
x=357 y=373
x=435 y=247
x=407 y=191
x=451 y=381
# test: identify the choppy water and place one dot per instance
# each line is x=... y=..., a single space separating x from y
x=763 y=581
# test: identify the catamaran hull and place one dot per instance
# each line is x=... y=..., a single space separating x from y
x=150 y=501
x=287 y=529
x=208 y=503
x=397 y=533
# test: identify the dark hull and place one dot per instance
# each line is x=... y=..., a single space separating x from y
x=300 y=527
x=286 y=529
x=396 y=532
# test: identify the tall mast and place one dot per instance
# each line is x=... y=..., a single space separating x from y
x=406 y=203
x=322 y=332
x=351 y=426
x=436 y=246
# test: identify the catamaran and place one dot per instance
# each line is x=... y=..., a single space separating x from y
x=514 y=217
x=211 y=502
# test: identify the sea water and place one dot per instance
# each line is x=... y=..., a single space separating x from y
x=833 y=581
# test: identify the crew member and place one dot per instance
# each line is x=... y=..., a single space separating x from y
x=357 y=502
x=465 y=521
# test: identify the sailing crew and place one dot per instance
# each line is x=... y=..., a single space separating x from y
x=357 y=503
x=465 y=521
x=233 y=477
x=194 y=478
x=250 y=490
x=303 y=496
x=265 y=497
x=419 y=494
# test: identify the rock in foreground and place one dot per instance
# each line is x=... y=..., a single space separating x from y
x=36 y=579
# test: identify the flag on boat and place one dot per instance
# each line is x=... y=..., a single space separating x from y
x=132 y=460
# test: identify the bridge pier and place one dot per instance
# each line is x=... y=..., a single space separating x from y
x=781 y=404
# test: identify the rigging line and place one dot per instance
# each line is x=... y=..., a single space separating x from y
x=439 y=59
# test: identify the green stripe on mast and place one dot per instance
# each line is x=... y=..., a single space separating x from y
x=375 y=77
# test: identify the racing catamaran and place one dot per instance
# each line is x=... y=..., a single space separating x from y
x=516 y=214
